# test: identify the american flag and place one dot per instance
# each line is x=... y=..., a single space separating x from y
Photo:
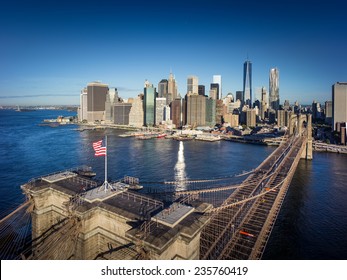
x=99 y=149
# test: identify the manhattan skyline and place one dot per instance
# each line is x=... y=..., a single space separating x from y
x=49 y=52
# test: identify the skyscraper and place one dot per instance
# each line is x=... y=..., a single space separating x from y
x=215 y=86
x=213 y=93
x=274 y=97
x=149 y=104
x=217 y=79
x=196 y=110
x=121 y=113
x=316 y=110
x=167 y=113
x=178 y=112
x=201 y=90
x=239 y=95
x=219 y=111
x=281 y=118
x=210 y=112
x=163 y=88
x=192 y=85
x=339 y=96
x=111 y=100
x=247 y=83
x=82 y=110
x=113 y=95
x=172 y=89
x=286 y=105
x=263 y=94
x=160 y=103
x=136 y=112
x=250 y=117
x=328 y=112
x=263 y=107
x=108 y=109
x=96 y=98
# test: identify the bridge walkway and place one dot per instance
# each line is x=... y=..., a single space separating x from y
x=235 y=226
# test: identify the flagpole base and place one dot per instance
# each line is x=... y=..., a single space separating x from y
x=106 y=186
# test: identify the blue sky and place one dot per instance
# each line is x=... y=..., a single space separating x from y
x=50 y=50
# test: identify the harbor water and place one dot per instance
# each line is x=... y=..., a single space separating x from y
x=312 y=223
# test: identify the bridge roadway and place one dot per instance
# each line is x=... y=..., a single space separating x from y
x=241 y=226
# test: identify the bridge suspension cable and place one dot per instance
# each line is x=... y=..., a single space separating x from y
x=192 y=181
x=272 y=172
x=217 y=209
x=15 y=231
x=20 y=207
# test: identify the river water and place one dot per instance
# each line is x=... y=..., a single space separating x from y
x=312 y=223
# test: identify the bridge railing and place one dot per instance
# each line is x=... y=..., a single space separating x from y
x=74 y=169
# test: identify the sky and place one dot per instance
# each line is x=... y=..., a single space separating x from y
x=50 y=50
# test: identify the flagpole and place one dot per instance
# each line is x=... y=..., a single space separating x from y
x=102 y=151
x=106 y=185
x=106 y=160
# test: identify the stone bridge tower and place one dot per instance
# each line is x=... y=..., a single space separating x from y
x=301 y=124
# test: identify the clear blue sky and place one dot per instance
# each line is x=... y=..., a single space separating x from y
x=50 y=51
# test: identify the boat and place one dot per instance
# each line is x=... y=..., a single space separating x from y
x=147 y=136
x=162 y=135
x=183 y=138
x=132 y=134
x=208 y=137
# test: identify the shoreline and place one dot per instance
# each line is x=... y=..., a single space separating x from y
x=266 y=141
x=329 y=148
x=208 y=137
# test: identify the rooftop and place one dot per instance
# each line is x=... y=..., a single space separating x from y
x=92 y=194
x=173 y=215
x=165 y=225
x=161 y=232
x=59 y=176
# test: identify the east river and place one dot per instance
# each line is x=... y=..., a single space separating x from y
x=312 y=223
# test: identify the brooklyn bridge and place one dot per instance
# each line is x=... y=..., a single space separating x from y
x=68 y=216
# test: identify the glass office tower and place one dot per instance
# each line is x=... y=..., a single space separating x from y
x=247 y=83
x=274 y=96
